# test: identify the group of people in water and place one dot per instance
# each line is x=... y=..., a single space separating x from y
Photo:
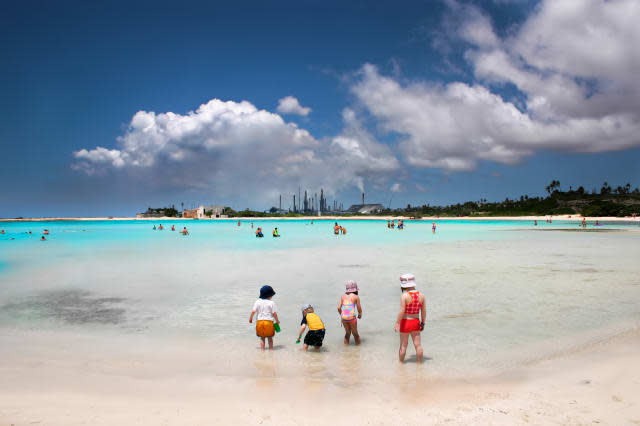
x=409 y=323
x=339 y=229
x=275 y=233
x=391 y=224
x=173 y=228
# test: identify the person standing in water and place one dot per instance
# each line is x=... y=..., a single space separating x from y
x=347 y=310
x=411 y=318
x=433 y=227
x=275 y=233
x=266 y=315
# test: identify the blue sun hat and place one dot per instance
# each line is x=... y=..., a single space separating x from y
x=266 y=291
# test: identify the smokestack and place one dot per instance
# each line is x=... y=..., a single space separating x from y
x=363 y=198
x=294 y=203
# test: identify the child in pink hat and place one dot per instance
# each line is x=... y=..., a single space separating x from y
x=347 y=310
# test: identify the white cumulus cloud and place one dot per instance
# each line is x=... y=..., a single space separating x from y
x=575 y=64
x=234 y=148
x=291 y=105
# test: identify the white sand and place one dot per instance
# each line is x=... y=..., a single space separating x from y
x=46 y=382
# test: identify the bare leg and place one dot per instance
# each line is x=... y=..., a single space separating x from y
x=262 y=344
x=306 y=347
x=347 y=332
x=270 y=343
x=354 y=330
x=404 y=341
x=415 y=336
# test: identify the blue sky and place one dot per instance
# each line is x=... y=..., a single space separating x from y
x=420 y=102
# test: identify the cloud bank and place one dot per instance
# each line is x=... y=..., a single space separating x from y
x=231 y=147
x=573 y=66
x=574 y=63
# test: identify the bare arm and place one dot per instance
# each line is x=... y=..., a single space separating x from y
x=423 y=312
x=302 y=328
x=251 y=317
x=403 y=305
x=359 y=307
x=340 y=306
x=275 y=315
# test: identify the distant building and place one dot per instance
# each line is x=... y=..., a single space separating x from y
x=365 y=208
x=213 y=211
x=203 y=212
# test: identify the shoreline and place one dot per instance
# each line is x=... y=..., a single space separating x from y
x=595 y=383
x=575 y=217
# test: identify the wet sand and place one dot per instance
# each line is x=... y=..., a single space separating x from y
x=62 y=379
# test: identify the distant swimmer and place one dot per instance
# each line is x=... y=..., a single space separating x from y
x=154 y=227
x=43 y=238
x=597 y=224
x=275 y=233
x=400 y=224
x=259 y=233
x=184 y=231
x=535 y=223
x=312 y=221
x=173 y=228
x=433 y=227
x=584 y=222
x=160 y=227
x=389 y=224
x=393 y=224
x=343 y=230
x=336 y=229
x=46 y=232
x=251 y=225
x=238 y=223
x=2 y=231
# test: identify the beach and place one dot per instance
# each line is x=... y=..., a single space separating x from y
x=111 y=322
x=597 y=384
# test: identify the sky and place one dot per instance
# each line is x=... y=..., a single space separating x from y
x=110 y=108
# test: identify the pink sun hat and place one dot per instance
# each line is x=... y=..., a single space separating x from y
x=351 y=286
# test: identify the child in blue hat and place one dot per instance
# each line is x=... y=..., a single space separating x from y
x=266 y=314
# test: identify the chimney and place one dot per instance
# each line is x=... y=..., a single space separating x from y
x=363 y=198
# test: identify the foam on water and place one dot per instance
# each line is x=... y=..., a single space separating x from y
x=499 y=294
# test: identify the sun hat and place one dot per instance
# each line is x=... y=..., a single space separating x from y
x=351 y=286
x=407 y=281
x=266 y=291
x=305 y=307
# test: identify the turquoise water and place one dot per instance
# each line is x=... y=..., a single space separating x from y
x=499 y=292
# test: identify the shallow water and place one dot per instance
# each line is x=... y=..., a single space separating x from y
x=499 y=293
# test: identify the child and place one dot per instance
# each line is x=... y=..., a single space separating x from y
x=265 y=309
x=315 y=335
x=347 y=310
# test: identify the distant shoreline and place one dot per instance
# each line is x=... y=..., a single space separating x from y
x=575 y=217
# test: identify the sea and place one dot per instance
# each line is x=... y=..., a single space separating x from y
x=500 y=294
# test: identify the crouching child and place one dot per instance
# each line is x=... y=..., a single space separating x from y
x=315 y=335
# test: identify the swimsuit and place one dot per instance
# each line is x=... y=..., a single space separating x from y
x=265 y=328
x=315 y=335
x=407 y=325
x=348 y=312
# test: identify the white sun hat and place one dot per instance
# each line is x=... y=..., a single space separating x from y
x=407 y=281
